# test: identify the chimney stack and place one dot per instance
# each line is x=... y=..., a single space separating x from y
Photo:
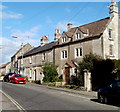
x=69 y=25
x=44 y=40
x=57 y=34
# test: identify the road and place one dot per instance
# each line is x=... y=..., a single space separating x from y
x=34 y=97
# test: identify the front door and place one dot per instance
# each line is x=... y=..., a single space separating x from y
x=35 y=75
x=67 y=75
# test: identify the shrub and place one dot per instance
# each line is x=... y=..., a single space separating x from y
x=101 y=70
x=50 y=72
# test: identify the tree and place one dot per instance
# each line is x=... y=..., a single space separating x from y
x=50 y=72
x=101 y=70
x=88 y=63
x=117 y=68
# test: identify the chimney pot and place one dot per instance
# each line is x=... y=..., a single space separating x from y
x=69 y=26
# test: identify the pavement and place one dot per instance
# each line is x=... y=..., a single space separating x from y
x=6 y=104
x=81 y=92
x=92 y=94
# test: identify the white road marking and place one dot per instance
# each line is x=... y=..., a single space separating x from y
x=74 y=95
x=14 y=102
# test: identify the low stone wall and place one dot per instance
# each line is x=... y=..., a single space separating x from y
x=60 y=83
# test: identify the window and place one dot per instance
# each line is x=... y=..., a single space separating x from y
x=30 y=59
x=30 y=72
x=64 y=54
x=43 y=56
x=78 y=52
x=78 y=35
x=22 y=61
x=64 y=39
x=75 y=70
x=110 y=33
x=111 y=49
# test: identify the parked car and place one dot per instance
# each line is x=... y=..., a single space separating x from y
x=110 y=93
x=1 y=77
x=7 y=77
x=17 y=78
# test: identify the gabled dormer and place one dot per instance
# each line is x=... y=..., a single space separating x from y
x=64 y=38
x=80 y=33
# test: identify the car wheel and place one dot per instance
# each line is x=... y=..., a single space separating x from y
x=103 y=99
x=10 y=81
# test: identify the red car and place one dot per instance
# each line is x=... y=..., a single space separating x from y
x=17 y=78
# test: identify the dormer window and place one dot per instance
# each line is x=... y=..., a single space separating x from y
x=78 y=36
x=64 y=39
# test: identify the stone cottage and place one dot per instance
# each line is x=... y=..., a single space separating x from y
x=99 y=37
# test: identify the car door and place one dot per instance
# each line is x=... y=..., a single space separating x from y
x=116 y=90
x=12 y=77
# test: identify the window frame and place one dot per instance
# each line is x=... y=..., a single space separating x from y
x=111 y=53
x=64 y=54
x=110 y=33
x=77 y=35
x=64 y=39
x=30 y=59
x=78 y=52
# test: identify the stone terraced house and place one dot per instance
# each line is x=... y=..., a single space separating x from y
x=99 y=37
x=14 y=59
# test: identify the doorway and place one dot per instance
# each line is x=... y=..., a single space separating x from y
x=67 y=75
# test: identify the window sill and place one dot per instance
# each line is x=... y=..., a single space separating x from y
x=79 y=57
x=111 y=56
x=111 y=39
x=64 y=58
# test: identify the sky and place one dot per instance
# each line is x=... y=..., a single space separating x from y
x=29 y=21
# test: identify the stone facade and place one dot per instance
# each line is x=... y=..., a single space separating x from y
x=99 y=37
x=119 y=38
x=35 y=59
x=5 y=68
x=14 y=58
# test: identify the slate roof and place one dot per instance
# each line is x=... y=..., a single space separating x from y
x=93 y=29
x=40 y=49
x=4 y=65
x=20 y=49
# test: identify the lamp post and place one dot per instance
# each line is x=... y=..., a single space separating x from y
x=22 y=56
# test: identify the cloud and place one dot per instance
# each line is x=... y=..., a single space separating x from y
x=8 y=14
x=9 y=46
x=8 y=27
x=25 y=34
x=2 y=7
x=67 y=10
x=49 y=21
x=63 y=25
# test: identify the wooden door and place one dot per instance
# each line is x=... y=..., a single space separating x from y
x=67 y=75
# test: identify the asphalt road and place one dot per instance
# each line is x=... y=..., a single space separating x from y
x=33 y=97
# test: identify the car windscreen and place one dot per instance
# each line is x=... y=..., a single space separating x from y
x=116 y=84
x=9 y=74
x=17 y=75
